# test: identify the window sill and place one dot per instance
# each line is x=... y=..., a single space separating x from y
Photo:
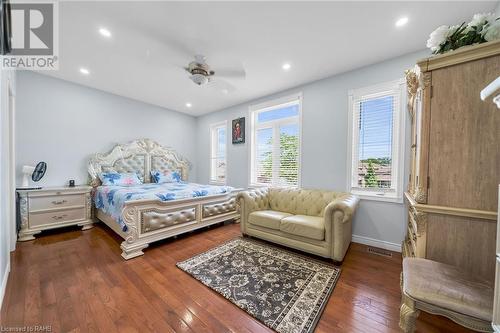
x=213 y=182
x=256 y=186
x=374 y=197
x=270 y=185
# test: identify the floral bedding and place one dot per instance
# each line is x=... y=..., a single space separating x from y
x=111 y=199
x=115 y=178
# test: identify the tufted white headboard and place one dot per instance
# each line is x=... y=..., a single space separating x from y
x=139 y=156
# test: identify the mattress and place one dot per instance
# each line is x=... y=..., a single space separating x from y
x=111 y=199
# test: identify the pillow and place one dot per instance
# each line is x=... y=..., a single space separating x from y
x=123 y=179
x=167 y=176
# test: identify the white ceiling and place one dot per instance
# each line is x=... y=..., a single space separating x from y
x=151 y=41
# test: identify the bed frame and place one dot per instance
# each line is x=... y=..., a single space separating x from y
x=152 y=220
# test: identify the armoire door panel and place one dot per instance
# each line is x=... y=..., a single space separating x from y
x=464 y=242
x=464 y=142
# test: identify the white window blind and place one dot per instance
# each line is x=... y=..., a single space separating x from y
x=218 y=153
x=275 y=141
x=377 y=140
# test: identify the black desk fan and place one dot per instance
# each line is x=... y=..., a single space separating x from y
x=36 y=173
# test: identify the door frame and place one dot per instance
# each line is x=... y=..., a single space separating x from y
x=11 y=137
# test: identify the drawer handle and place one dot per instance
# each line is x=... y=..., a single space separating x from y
x=59 y=202
x=59 y=217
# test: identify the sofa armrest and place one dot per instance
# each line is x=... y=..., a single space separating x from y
x=250 y=201
x=346 y=205
x=338 y=224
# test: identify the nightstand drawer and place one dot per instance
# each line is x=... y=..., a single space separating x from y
x=59 y=217
x=54 y=202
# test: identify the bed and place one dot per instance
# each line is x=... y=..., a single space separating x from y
x=149 y=212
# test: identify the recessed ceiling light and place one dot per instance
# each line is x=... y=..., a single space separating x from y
x=402 y=21
x=84 y=71
x=286 y=66
x=105 y=32
x=188 y=105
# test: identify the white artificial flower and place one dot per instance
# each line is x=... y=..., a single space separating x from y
x=438 y=37
x=452 y=29
x=492 y=31
x=480 y=19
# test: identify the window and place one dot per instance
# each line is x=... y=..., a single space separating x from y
x=377 y=141
x=275 y=143
x=218 y=153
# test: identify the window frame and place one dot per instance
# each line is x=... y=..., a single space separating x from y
x=213 y=145
x=254 y=110
x=398 y=145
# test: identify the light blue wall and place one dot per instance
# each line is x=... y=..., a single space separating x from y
x=324 y=143
x=63 y=123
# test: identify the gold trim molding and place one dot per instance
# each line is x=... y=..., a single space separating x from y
x=412 y=88
x=420 y=195
x=463 y=54
x=444 y=210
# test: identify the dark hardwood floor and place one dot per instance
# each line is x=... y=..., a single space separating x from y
x=77 y=282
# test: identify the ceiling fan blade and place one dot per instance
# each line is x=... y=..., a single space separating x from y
x=231 y=73
x=221 y=85
x=167 y=49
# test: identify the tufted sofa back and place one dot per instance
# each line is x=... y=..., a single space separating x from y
x=260 y=200
x=301 y=202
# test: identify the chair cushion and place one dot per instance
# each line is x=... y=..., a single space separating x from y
x=267 y=218
x=305 y=226
x=447 y=287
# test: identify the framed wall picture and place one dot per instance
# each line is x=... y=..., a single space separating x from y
x=238 y=130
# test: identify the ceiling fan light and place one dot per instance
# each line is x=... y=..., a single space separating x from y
x=199 y=79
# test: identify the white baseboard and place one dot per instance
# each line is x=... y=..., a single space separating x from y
x=5 y=277
x=377 y=243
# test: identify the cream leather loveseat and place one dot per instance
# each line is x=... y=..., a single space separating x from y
x=314 y=221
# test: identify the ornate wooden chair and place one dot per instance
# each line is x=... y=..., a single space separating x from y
x=444 y=290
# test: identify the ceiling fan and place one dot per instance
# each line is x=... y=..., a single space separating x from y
x=200 y=71
x=202 y=74
x=218 y=78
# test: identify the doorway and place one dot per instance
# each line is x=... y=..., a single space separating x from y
x=11 y=183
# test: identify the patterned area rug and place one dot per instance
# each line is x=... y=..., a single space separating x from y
x=284 y=290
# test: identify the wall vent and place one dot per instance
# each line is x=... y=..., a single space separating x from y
x=379 y=252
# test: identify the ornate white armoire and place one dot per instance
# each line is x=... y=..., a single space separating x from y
x=455 y=159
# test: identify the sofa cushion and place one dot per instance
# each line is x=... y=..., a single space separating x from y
x=267 y=218
x=304 y=226
x=447 y=287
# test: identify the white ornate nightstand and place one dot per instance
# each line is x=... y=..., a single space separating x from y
x=50 y=208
